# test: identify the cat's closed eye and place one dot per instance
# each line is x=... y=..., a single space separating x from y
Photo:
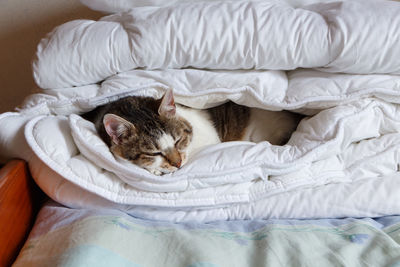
x=155 y=154
x=178 y=141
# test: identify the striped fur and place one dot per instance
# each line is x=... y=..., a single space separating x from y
x=159 y=136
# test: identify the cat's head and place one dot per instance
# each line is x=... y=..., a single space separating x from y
x=154 y=137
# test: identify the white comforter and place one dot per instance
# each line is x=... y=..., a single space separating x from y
x=342 y=161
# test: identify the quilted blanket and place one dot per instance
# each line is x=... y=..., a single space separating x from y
x=336 y=62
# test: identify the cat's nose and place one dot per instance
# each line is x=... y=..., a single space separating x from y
x=174 y=158
x=176 y=163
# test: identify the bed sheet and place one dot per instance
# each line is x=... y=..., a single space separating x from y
x=79 y=237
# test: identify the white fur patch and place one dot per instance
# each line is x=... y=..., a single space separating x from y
x=155 y=167
x=166 y=142
x=204 y=133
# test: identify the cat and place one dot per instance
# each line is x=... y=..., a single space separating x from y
x=160 y=136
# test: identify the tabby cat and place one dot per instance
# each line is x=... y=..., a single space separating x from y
x=160 y=136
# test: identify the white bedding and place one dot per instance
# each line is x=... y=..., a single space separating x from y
x=224 y=35
x=336 y=160
x=115 y=6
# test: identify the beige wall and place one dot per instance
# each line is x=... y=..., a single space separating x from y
x=22 y=24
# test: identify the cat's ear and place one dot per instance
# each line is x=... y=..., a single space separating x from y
x=167 y=107
x=117 y=128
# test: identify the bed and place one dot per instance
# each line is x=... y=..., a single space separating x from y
x=62 y=236
x=335 y=182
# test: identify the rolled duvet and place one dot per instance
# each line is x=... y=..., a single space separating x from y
x=224 y=35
